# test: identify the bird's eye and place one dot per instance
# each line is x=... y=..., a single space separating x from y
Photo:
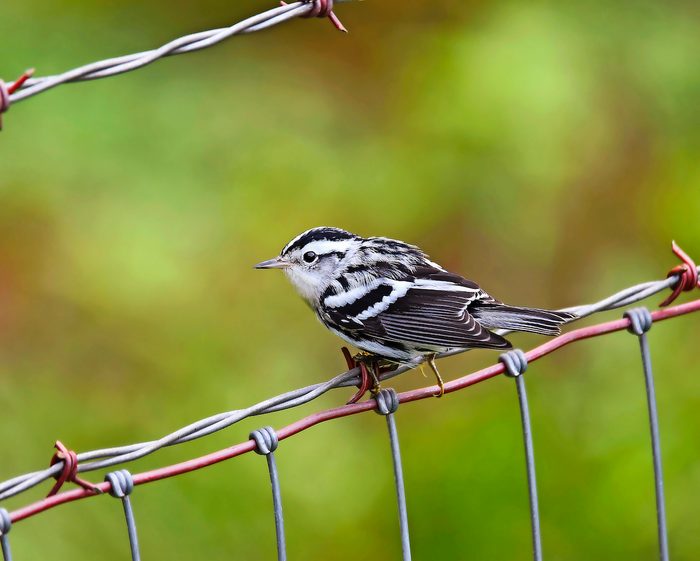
x=310 y=257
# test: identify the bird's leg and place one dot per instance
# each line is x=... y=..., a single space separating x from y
x=371 y=368
x=433 y=367
x=369 y=365
x=368 y=377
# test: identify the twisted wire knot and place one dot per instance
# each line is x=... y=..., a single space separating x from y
x=387 y=401
x=687 y=274
x=265 y=440
x=121 y=483
x=515 y=362
x=640 y=320
x=69 y=472
x=320 y=9
x=5 y=522
x=4 y=97
x=6 y=91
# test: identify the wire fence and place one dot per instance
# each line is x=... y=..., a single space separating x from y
x=27 y=86
x=66 y=464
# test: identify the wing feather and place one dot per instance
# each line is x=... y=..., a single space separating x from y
x=438 y=318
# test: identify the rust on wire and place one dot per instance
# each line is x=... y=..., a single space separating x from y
x=69 y=472
x=347 y=410
x=26 y=87
x=687 y=274
x=365 y=380
x=369 y=379
x=6 y=91
x=323 y=9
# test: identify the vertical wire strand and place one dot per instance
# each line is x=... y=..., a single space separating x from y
x=5 y=526
x=277 y=506
x=266 y=443
x=122 y=484
x=387 y=404
x=531 y=473
x=131 y=528
x=400 y=490
x=515 y=363
x=655 y=449
x=640 y=323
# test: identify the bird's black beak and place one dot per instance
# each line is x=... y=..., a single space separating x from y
x=276 y=263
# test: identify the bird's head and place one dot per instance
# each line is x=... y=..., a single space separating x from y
x=313 y=259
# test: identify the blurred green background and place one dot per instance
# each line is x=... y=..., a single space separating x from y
x=548 y=150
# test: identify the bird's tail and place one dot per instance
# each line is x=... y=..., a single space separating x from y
x=494 y=315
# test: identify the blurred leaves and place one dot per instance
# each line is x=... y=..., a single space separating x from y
x=548 y=151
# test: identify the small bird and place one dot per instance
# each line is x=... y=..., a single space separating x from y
x=388 y=299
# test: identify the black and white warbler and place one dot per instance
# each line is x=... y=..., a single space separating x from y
x=387 y=298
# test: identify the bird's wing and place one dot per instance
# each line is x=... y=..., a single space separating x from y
x=431 y=311
x=434 y=317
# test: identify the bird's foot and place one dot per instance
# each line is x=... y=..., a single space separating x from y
x=370 y=370
x=441 y=384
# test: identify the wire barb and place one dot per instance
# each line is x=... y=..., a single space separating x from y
x=27 y=87
x=6 y=91
x=687 y=274
x=322 y=9
x=107 y=457
x=69 y=471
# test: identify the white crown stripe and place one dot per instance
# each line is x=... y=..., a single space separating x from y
x=322 y=247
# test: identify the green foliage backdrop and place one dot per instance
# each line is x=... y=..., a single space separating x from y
x=548 y=150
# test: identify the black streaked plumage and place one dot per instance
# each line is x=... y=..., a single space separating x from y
x=387 y=298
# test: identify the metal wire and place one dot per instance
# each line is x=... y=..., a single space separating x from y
x=346 y=410
x=5 y=527
x=266 y=443
x=186 y=44
x=515 y=362
x=107 y=457
x=387 y=404
x=122 y=484
x=640 y=322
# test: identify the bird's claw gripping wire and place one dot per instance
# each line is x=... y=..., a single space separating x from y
x=6 y=91
x=687 y=275
x=70 y=470
x=431 y=363
x=370 y=370
x=323 y=9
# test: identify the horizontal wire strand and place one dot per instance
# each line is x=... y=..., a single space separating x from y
x=347 y=410
x=108 y=457
x=186 y=44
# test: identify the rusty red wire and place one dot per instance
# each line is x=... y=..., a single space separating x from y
x=344 y=411
x=6 y=91
x=687 y=272
x=70 y=469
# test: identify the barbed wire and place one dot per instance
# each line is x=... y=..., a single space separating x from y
x=683 y=277
x=27 y=86
x=90 y=490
